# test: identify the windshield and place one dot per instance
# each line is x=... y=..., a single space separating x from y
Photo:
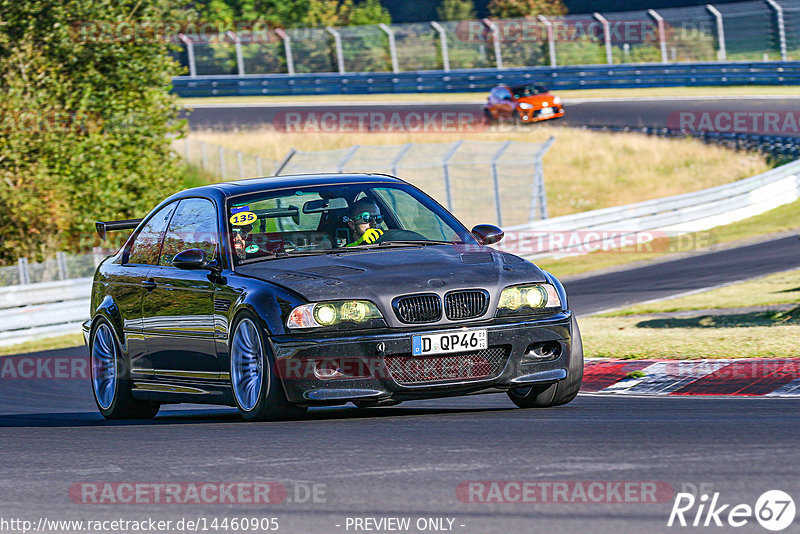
x=528 y=90
x=337 y=218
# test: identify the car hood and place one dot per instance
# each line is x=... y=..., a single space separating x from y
x=537 y=100
x=380 y=275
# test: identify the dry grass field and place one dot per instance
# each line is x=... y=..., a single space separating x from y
x=584 y=170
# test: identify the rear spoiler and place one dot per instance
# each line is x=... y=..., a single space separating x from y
x=104 y=226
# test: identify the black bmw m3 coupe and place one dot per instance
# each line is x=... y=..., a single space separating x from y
x=276 y=294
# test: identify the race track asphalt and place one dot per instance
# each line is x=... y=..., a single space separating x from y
x=644 y=112
x=404 y=461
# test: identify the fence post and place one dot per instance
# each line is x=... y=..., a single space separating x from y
x=496 y=183
x=443 y=43
x=606 y=36
x=240 y=162
x=287 y=48
x=781 y=27
x=24 y=275
x=189 y=54
x=337 y=43
x=61 y=262
x=392 y=47
x=237 y=44
x=446 y=163
x=400 y=155
x=259 y=170
x=539 y=193
x=203 y=155
x=723 y=54
x=221 y=152
x=285 y=161
x=551 y=41
x=662 y=36
x=498 y=54
x=186 y=149
x=347 y=157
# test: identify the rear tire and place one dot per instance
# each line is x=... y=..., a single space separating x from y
x=560 y=392
x=255 y=384
x=110 y=376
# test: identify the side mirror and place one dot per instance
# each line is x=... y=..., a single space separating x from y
x=486 y=234
x=192 y=258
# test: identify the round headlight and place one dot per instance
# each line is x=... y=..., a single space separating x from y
x=354 y=311
x=325 y=314
x=511 y=298
x=536 y=297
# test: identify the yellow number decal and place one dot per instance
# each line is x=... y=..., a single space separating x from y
x=242 y=218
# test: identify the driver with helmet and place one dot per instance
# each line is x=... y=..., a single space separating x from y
x=363 y=219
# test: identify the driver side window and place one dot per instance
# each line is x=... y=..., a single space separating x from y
x=194 y=225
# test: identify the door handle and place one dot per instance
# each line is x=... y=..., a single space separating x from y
x=149 y=285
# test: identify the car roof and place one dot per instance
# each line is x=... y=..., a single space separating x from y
x=254 y=185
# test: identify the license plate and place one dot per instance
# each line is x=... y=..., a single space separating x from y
x=447 y=342
x=546 y=111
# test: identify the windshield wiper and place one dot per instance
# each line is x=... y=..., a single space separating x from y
x=406 y=242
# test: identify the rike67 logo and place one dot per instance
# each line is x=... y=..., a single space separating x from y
x=774 y=510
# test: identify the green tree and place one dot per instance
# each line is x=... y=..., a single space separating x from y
x=456 y=10
x=86 y=120
x=510 y=9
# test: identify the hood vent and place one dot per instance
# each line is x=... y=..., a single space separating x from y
x=294 y=277
x=471 y=258
x=334 y=270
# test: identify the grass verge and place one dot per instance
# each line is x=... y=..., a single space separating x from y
x=781 y=219
x=737 y=334
x=778 y=288
x=637 y=338
x=617 y=169
x=49 y=343
x=743 y=90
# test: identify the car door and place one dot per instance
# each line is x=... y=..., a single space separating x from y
x=178 y=312
x=505 y=103
x=127 y=285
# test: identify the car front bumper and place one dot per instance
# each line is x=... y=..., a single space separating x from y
x=374 y=358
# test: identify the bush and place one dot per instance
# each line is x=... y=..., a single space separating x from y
x=86 y=122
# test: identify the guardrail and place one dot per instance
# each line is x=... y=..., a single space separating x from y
x=45 y=309
x=688 y=212
x=439 y=81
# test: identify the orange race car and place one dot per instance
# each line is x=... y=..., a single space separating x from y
x=522 y=104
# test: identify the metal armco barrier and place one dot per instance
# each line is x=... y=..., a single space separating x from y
x=689 y=212
x=439 y=81
x=45 y=309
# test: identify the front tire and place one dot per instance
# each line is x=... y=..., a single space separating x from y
x=110 y=377
x=562 y=391
x=256 y=387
